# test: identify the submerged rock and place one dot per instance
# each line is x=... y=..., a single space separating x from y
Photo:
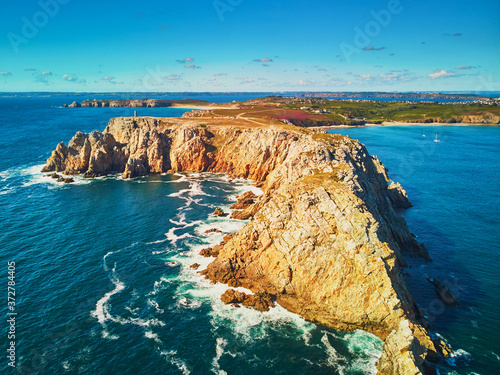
x=443 y=292
x=66 y=180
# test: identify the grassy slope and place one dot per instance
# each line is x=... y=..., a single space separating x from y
x=395 y=111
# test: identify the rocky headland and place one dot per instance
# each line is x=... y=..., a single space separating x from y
x=135 y=103
x=323 y=240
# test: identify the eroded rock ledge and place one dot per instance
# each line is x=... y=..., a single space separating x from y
x=323 y=240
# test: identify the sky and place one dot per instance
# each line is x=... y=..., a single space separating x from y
x=249 y=45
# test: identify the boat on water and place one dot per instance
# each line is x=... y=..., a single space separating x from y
x=437 y=140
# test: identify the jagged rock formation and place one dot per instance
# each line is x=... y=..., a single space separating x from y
x=260 y=301
x=133 y=103
x=481 y=118
x=324 y=239
x=443 y=292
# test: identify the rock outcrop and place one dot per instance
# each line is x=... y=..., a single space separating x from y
x=444 y=292
x=324 y=240
x=135 y=103
x=260 y=301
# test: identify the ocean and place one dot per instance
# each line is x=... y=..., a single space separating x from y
x=453 y=185
x=102 y=269
x=103 y=283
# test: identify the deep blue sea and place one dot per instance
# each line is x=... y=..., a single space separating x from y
x=102 y=267
x=454 y=185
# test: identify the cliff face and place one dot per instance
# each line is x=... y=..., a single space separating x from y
x=485 y=118
x=324 y=238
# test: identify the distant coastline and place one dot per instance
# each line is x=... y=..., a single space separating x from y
x=323 y=112
x=388 y=124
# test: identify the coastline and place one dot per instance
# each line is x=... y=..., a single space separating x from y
x=356 y=224
x=388 y=124
x=201 y=107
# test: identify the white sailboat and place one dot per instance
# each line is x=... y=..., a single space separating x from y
x=437 y=140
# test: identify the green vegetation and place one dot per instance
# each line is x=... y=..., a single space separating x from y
x=360 y=112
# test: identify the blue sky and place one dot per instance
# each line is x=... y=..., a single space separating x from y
x=250 y=45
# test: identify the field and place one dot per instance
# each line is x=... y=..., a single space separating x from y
x=314 y=112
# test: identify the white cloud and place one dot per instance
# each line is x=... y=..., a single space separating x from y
x=5 y=74
x=192 y=66
x=186 y=60
x=73 y=78
x=246 y=79
x=264 y=60
x=43 y=77
x=442 y=74
x=391 y=77
x=109 y=79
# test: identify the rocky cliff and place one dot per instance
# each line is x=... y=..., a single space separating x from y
x=135 y=103
x=324 y=239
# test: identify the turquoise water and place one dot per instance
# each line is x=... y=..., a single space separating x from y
x=454 y=187
x=103 y=283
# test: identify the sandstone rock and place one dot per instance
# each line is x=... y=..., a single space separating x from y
x=219 y=212
x=74 y=105
x=231 y=296
x=402 y=353
x=67 y=180
x=207 y=252
x=325 y=237
x=244 y=201
x=195 y=266
x=247 y=195
x=398 y=196
x=242 y=204
x=260 y=301
x=213 y=230
x=216 y=249
x=241 y=215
